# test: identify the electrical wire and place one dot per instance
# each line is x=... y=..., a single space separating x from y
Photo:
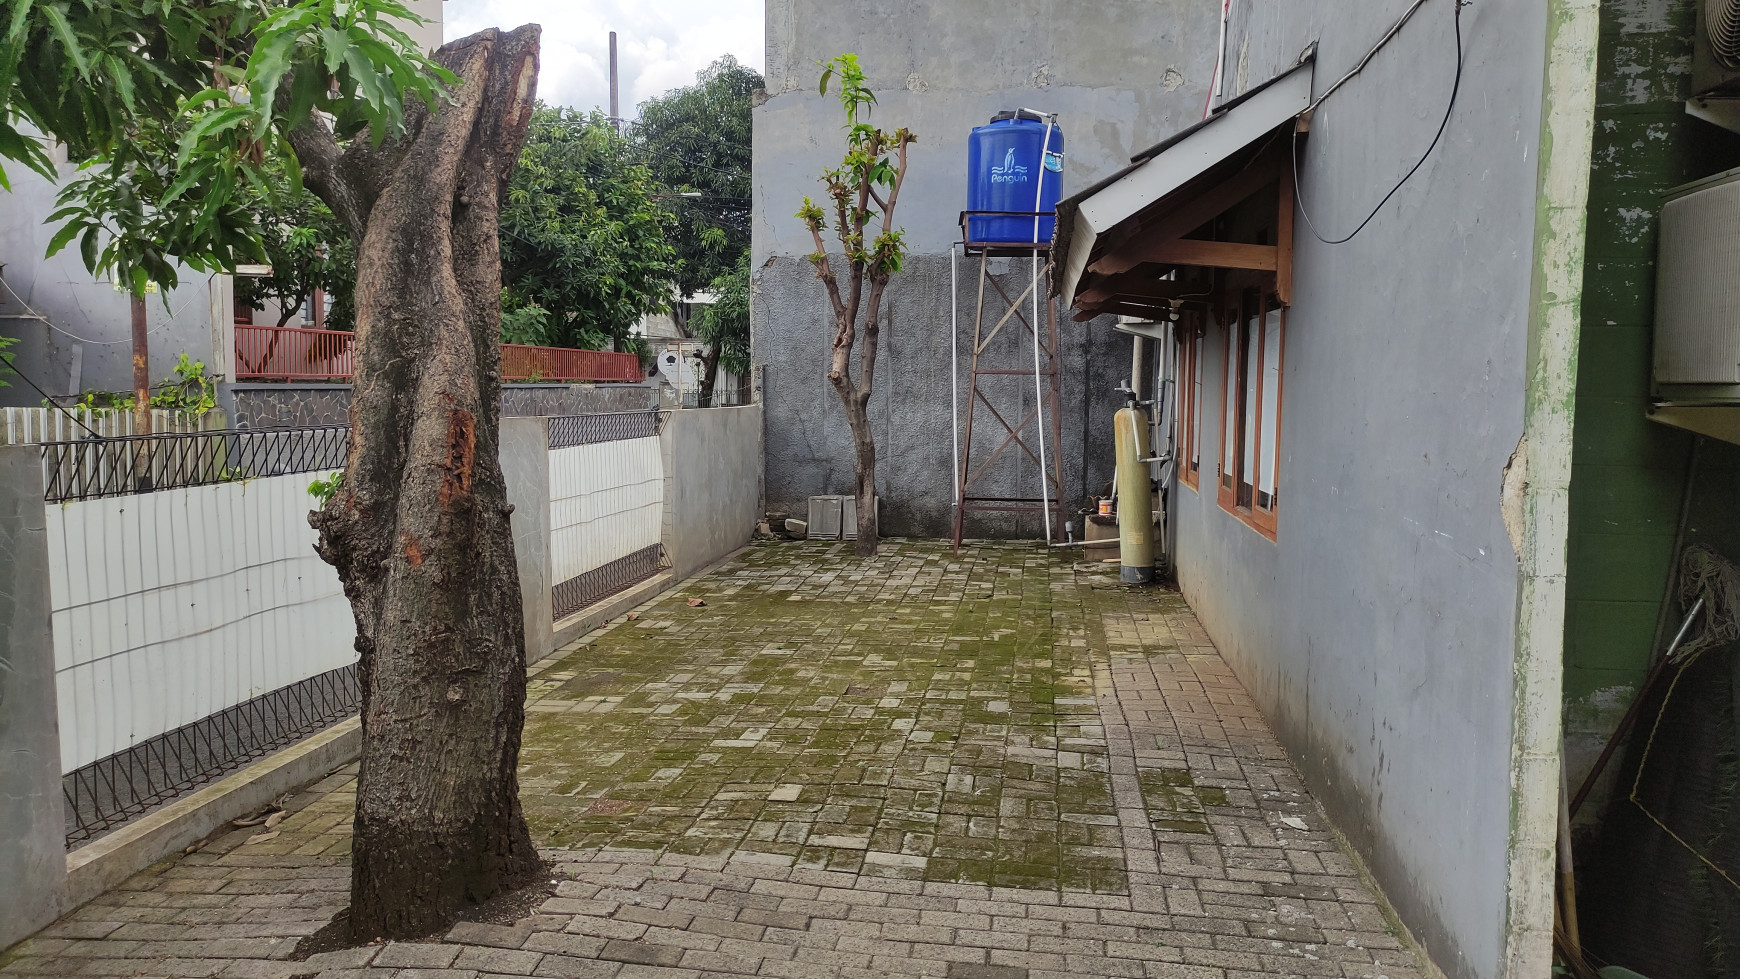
x=1455 y=88
x=36 y=315
x=47 y=399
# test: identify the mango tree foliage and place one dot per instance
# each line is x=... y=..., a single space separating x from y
x=306 y=248
x=697 y=140
x=583 y=247
x=172 y=108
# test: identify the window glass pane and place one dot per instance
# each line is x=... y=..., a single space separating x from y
x=1271 y=400
x=1247 y=413
x=1229 y=451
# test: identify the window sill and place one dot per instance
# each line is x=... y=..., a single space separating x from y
x=1263 y=524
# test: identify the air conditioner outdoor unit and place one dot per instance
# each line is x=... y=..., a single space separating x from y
x=1697 y=293
x=1716 y=63
x=1716 y=49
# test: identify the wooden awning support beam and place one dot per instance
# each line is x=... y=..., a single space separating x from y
x=1212 y=254
x=1159 y=239
x=1143 y=285
x=1191 y=214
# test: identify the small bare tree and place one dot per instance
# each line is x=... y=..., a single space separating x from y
x=864 y=187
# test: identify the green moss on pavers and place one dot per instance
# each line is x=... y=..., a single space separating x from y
x=868 y=688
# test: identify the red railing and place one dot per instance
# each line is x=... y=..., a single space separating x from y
x=520 y=363
x=281 y=353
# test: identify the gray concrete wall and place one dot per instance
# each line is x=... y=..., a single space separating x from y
x=1379 y=631
x=32 y=818
x=525 y=465
x=712 y=483
x=1122 y=74
x=91 y=349
x=261 y=405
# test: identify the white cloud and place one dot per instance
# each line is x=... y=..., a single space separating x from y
x=660 y=44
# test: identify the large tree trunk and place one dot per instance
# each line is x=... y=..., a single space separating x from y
x=419 y=530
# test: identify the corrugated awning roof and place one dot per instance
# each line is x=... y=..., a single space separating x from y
x=1162 y=171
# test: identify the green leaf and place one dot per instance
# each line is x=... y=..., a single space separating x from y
x=66 y=234
x=20 y=14
x=88 y=249
x=57 y=22
x=823 y=90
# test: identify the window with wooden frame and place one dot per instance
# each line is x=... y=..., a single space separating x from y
x=1189 y=402
x=1251 y=411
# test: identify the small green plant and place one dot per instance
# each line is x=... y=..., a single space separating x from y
x=526 y=322
x=191 y=392
x=5 y=359
x=323 y=490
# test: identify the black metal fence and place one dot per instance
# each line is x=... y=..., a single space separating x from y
x=110 y=791
x=571 y=430
x=89 y=469
x=601 y=582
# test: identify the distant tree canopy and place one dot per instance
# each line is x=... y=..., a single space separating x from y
x=696 y=140
x=307 y=248
x=583 y=236
x=724 y=325
x=597 y=230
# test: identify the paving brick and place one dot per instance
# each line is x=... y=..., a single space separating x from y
x=345 y=958
x=568 y=967
x=965 y=970
x=634 y=952
x=499 y=960
x=743 y=802
x=498 y=936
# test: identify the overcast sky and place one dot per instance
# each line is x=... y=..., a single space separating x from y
x=660 y=44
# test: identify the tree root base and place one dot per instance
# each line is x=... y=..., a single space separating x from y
x=511 y=905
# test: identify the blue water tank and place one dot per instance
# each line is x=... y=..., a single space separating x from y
x=1006 y=172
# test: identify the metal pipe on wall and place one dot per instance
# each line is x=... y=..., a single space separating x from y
x=1038 y=389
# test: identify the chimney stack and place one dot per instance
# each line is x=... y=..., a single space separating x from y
x=615 y=112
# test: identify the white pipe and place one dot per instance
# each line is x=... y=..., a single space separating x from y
x=1219 y=59
x=1038 y=390
x=955 y=370
x=1136 y=371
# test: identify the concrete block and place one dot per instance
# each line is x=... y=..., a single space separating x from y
x=713 y=464
x=525 y=466
x=32 y=820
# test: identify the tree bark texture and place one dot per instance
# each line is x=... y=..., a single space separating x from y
x=419 y=529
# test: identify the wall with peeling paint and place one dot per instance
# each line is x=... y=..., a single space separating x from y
x=1121 y=74
x=1379 y=631
x=1628 y=473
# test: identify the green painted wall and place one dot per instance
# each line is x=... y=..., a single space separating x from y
x=1627 y=473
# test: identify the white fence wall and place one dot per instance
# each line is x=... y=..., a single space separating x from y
x=606 y=502
x=24 y=426
x=173 y=605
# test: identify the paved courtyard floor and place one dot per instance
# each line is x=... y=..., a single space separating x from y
x=1000 y=765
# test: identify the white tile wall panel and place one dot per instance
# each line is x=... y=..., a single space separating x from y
x=606 y=502
x=173 y=605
